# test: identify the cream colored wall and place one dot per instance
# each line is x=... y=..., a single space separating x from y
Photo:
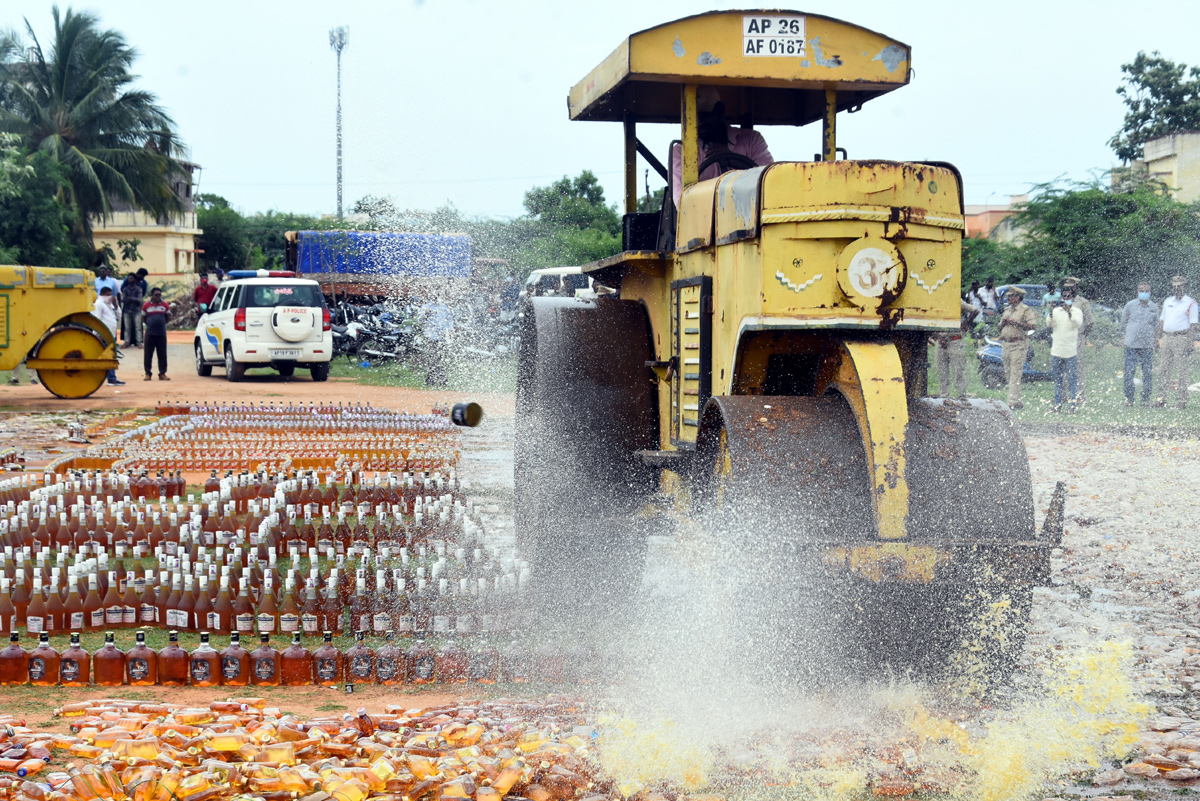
x=162 y=252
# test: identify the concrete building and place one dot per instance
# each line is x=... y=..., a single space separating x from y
x=1174 y=160
x=167 y=244
x=994 y=221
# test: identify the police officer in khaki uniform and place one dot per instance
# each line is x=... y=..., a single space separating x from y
x=1082 y=304
x=949 y=356
x=1015 y=324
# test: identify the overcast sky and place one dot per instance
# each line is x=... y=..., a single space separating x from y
x=465 y=102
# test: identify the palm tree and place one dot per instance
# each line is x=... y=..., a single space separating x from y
x=75 y=103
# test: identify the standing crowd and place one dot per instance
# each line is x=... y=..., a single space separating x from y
x=1170 y=329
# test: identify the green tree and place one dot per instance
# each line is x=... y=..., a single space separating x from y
x=74 y=103
x=1110 y=239
x=224 y=241
x=573 y=202
x=34 y=224
x=1161 y=97
x=986 y=258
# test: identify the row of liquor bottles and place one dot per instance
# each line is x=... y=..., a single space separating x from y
x=389 y=664
x=468 y=609
x=300 y=489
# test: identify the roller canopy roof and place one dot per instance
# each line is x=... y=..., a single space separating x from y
x=772 y=67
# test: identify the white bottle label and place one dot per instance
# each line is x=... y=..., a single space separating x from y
x=129 y=615
x=309 y=623
x=113 y=616
x=35 y=625
x=148 y=613
x=245 y=623
x=381 y=622
x=289 y=623
x=266 y=624
x=441 y=623
x=76 y=620
x=214 y=621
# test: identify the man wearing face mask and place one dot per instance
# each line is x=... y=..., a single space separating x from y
x=1177 y=333
x=1139 y=318
x=717 y=137
x=1066 y=320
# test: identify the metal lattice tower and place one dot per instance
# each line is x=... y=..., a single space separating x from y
x=338 y=39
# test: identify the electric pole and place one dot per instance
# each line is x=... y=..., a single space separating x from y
x=338 y=39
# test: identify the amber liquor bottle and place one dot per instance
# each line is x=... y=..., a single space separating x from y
x=390 y=663
x=264 y=664
x=14 y=662
x=327 y=663
x=296 y=664
x=360 y=661
x=141 y=663
x=172 y=663
x=420 y=661
x=235 y=663
x=75 y=665
x=204 y=666
x=43 y=663
x=108 y=664
x=484 y=664
x=451 y=662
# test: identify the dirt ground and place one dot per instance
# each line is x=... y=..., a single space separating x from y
x=186 y=385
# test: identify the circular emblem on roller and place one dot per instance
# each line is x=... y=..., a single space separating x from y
x=871 y=271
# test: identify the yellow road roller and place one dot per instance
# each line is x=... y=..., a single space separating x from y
x=46 y=319
x=758 y=352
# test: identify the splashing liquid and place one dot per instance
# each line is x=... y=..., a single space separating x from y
x=895 y=740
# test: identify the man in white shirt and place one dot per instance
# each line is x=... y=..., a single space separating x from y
x=989 y=295
x=107 y=312
x=1066 y=319
x=1176 y=334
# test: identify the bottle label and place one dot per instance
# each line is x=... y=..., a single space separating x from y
x=309 y=623
x=245 y=623
x=266 y=624
x=114 y=616
x=139 y=669
x=37 y=668
x=423 y=667
x=97 y=618
x=148 y=613
x=230 y=668
x=69 y=669
x=129 y=615
x=441 y=624
x=171 y=548
x=481 y=667
x=381 y=622
x=201 y=670
x=326 y=669
x=385 y=669
x=404 y=624
x=264 y=668
x=289 y=623
x=487 y=622
x=214 y=621
x=35 y=625
x=360 y=666
x=464 y=624
x=48 y=622
x=12 y=623
x=76 y=621
x=177 y=619
x=364 y=623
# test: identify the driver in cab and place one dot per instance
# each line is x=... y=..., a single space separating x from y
x=717 y=137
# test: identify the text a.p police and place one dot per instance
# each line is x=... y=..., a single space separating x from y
x=772 y=35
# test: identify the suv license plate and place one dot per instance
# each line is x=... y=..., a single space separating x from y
x=290 y=353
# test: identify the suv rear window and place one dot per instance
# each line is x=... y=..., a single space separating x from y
x=258 y=296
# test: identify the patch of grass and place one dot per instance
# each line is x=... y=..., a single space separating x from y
x=1105 y=400
x=464 y=374
x=329 y=707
